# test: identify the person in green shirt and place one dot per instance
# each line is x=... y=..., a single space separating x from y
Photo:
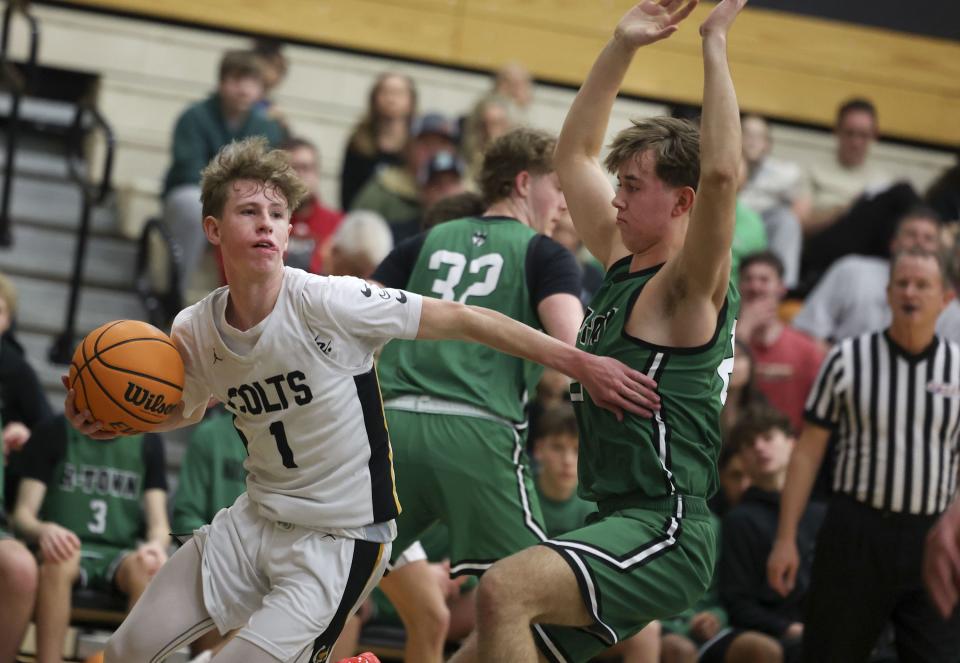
x=667 y=307
x=201 y=130
x=18 y=587
x=211 y=474
x=97 y=512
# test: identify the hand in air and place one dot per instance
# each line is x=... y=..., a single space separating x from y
x=722 y=17
x=652 y=20
x=618 y=388
x=82 y=421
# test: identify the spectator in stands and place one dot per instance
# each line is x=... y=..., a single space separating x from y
x=771 y=190
x=274 y=65
x=851 y=299
x=944 y=194
x=312 y=224
x=395 y=192
x=211 y=473
x=731 y=473
x=18 y=586
x=380 y=138
x=889 y=397
x=742 y=391
x=457 y=206
x=765 y=440
x=785 y=361
x=201 y=130
x=440 y=178
x=490 y=118
x=84 y=503
x=749 y=233
x=849 y=205
x=23 y=403
x=556 y=450
x=513 y=81
x=361 y=243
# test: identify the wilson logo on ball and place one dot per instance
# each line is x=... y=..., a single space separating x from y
x=142 y=398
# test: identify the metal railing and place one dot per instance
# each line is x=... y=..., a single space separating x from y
x=86 y=118
x=19 y=84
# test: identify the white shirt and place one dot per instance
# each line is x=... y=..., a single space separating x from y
x=304 y=391
x=851 y=300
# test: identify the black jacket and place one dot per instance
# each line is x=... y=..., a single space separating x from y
x=747 y=536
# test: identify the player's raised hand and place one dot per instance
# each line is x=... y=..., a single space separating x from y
x=83 y=421
x=782 y=566
x=722 y=17
x=617 y=387
x=652 y=20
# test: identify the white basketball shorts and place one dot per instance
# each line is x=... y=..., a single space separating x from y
x=288 y=588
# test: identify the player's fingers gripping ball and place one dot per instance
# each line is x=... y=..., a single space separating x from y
x=128 y=374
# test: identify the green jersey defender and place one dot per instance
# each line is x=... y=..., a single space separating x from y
x=472 y=261
x=454 y=408
x=675 y=452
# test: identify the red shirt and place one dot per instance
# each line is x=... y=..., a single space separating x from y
x=785 y=372
x=311 y=226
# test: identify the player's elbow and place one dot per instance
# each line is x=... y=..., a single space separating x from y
x=721 y=176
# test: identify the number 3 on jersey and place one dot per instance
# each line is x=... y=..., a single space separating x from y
x=490 y=265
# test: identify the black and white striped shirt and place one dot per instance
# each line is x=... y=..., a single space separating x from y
x=897 y=417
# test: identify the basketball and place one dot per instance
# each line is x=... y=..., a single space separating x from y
x=129 y=374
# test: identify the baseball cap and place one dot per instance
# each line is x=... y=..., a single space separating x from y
x=443 y=161
x=434 y=123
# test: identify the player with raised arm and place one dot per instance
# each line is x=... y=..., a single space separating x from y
x=290 y=355
x=667 y=306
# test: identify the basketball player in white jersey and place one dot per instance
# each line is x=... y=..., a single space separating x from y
x=290 y=354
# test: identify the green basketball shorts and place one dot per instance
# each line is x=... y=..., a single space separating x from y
x=633 y=565
x=470 y=473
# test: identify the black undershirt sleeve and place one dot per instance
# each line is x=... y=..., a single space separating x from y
x=154 y=460
x=45 y=449
x=551 y=269
x=396 y=268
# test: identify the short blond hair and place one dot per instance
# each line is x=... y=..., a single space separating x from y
x=248 y=159
x=675 y=145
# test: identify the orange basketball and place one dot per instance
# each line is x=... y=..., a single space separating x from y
x=128 y=374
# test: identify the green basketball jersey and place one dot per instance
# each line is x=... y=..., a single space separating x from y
x=96 y=490
x=473 y=261
x=211 y=475
x=676 y=451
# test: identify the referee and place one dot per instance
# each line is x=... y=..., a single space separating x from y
x=893 y=398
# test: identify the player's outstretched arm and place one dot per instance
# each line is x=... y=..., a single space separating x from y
x=585 y=185
x=703 y=263
x=611 y=385
x=802 y=471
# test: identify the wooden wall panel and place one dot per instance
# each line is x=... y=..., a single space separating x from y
x=787 y=66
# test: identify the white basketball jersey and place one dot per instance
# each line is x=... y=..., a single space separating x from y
x=306 y=397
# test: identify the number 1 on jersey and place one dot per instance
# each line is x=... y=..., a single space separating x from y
x=280 y=435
